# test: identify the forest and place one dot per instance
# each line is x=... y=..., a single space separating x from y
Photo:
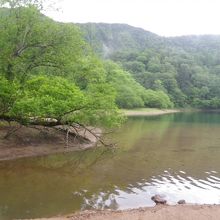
x=186 y=69
x=85 y=73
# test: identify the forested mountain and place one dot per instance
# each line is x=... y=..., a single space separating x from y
x=120 y=37
x=186 y=68
x=110 y=38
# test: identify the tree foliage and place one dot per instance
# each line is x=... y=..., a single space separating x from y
x=47 y=71
x=130 y=94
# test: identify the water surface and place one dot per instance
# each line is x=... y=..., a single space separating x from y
x=176 y=155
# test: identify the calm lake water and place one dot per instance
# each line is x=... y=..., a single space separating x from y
x=176 y=155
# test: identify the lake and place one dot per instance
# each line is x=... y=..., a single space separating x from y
x=176 y=155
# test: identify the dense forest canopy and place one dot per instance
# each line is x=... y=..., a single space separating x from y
x=186 y=68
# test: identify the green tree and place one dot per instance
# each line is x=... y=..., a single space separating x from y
x=130 y=94
x=28 y=49
x=48 y=71
x=157 y=99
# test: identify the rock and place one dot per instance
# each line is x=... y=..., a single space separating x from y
x=182 y=201
x=158 y=199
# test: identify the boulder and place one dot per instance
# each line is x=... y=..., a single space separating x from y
x=158 y=199
x=182 y=201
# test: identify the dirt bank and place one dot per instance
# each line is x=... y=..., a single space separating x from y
x=148 y=111
x=160 y=212
x=39 y=141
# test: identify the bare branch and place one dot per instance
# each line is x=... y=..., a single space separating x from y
x=73 y=130
x=20 y=50
x=98 y=137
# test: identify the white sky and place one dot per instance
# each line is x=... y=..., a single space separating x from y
x=163 y=17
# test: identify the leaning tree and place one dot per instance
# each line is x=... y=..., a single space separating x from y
x=48 y=74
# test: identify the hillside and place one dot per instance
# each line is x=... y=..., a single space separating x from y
x=187 y=68
x=109 y=38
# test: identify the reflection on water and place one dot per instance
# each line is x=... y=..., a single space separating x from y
x=173 y=155
x=173 y=187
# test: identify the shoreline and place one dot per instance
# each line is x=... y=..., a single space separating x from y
x=148 y=112
x=158 y=212
x=31 y=152
x=29 y=142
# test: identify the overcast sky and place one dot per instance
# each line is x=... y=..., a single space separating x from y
x=163 y=17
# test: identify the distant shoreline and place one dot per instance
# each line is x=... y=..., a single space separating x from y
x=148 y=111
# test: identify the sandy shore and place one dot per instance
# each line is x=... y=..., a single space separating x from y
x=160 y=212
x=147 y=111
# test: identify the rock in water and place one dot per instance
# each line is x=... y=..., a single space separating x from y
x=158 y=199
x=182 y=201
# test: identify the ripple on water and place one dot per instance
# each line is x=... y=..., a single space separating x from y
x=174 y=186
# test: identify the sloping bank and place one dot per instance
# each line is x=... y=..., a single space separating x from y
x=20 y=141
x=160 y=212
